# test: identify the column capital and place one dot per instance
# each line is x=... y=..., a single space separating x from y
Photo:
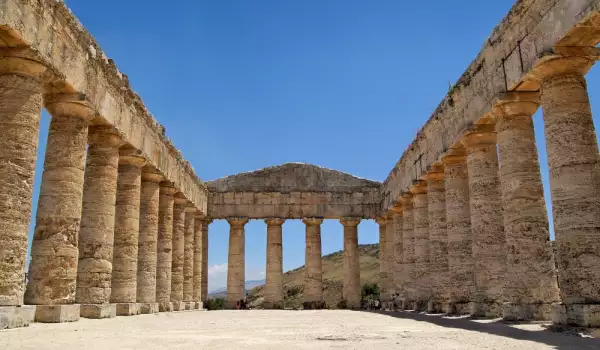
x=205 y=220
x=406 y=200
x=19 y=61
x=516 y=104
x=104 y=135
x=435 y=172
x=479 y=135
x=274 y=221
x=350 y=221
x=312 y=221
x=382 y=220
x=190 y=207
x=72 y=105
x=237 y=221
x=567 y=61
x=151 y=174
x=454 y=155
x=397 y=210
x=180 y=199
x=167 y=187
x=132 y=156
x=419 y=187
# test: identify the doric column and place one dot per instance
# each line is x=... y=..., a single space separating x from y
x=178 y=253
x=20 y=110
x=408 y=250
x=421 y=245
x=438 y=239
x=147 y=251
x=127 y=229
x=384 y=285
x=461 y=266
x=164 y=246
x=274 y=275
x=94 y=272
x=489 y=242
x=313 y=276
x=236 y=275
x=351 y=289
x=199 y=222
x=398 y=260
x=204 y=287
x=573 y=159
x=531 y=284
x=188 y=257
x=54 y=250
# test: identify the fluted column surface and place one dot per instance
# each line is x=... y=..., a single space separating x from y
x=313 y=277
x=408 y=248
x=236 y=280
x=438 y=237
x=164 y=257
x=351 y=265
x=421 y=244
x=274 y=272
x=188 y=260
x=178 y=249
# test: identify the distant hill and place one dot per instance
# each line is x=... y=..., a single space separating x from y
x=333 y=275
x=222 y=292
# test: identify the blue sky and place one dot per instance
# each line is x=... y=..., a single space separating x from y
x=245 y=84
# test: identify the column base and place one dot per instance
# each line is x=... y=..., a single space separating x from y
x=57 y=313
x=149 y=308
x=198 y=305
x=128 y=309
x=419 y=306
x=98 y=311
x=434 y=307
x=178 y=305
x=314 y=305
x=526 y=312
x=486 y=310
x=16 y=316
x=457 y=308
x=165 y=306
x=189 y=305
x=580 y=315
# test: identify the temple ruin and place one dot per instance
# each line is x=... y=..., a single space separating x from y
x=122 y=219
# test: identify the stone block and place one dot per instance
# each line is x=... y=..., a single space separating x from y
x=149 y=308
x=526 y=312
x=98 y=311
x=57 y=313
x=128 y=309
x=16 y=316
x=178 y=306
x=559 y=313
x=165 y=306
x=199 y=305
x=189 y=305
x=583 y=315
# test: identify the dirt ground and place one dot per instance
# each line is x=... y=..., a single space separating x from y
x=265 y=329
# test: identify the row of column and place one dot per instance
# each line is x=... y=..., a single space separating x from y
x=313 y=288
x=111 y=237
x=474 y=234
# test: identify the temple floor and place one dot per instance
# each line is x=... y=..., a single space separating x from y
x=265 y=329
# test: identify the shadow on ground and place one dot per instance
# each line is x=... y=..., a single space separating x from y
x=559 y=340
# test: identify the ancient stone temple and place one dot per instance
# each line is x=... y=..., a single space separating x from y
x=122 y=220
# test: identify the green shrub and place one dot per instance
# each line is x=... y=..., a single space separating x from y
x=215 y=304
x=369 y=291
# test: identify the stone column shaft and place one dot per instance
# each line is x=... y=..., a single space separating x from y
x=178 y=253
x=20 y=110
x=531 y=282
x=461 y=266
x=421 y=245
x=351 y=291
x=384 y=285
x=147 y=245
x=398 y=261
x=236 y=275
x=438 y=240
x=408 y=250
x=489 y=242
x=573 y=159
x=204 y=287
x=96 y=235
x=188 y=262
x=313 y=278
x=164 y=256
x=274 y=275
x=199 y=262
x=127 y=228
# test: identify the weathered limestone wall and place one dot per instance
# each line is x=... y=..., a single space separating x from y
x=77 y=64
x=294 y=191
x=530 y=29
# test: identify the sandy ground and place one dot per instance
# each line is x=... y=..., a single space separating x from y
x=280 y=330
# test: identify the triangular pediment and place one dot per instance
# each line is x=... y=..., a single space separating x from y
x=292 y=177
